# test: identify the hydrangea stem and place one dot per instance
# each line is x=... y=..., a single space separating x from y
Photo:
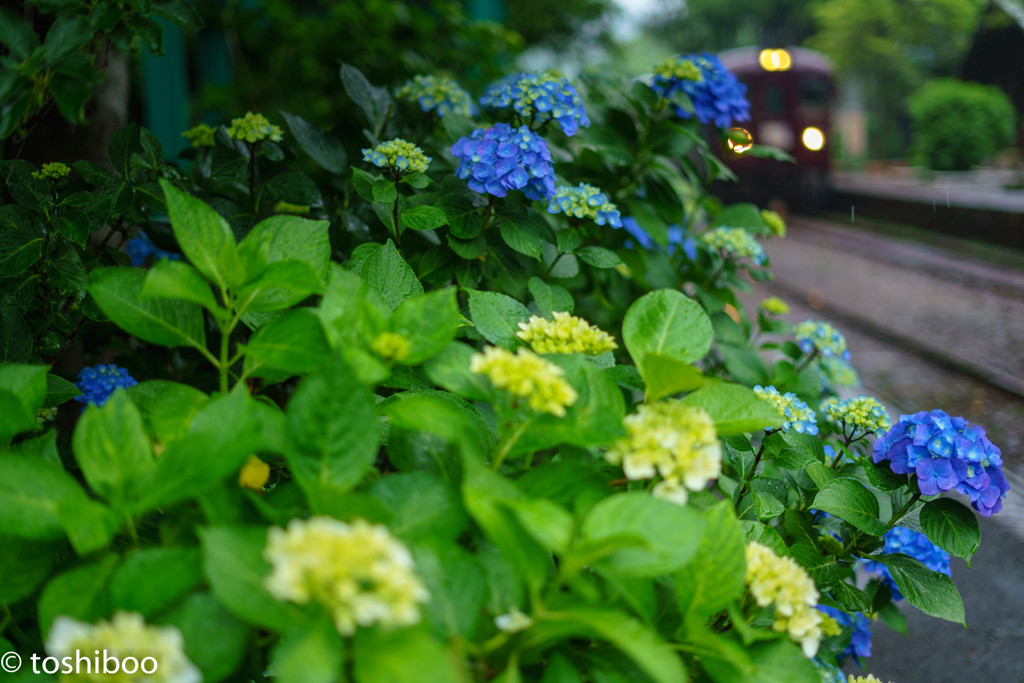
x=509 y=441
x=753 y=468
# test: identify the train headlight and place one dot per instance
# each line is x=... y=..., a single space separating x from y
x=775 y=60
x=813 y=138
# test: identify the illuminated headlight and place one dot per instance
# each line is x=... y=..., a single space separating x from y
x=813 y=138
x=775 y=60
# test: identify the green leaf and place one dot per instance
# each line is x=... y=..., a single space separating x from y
x=402 y=656
x=282 y=284
x=775 y=661
x=669 y=323
x=25 y=564
x=931 y=592
x=384 y=191
x=224 y=431
x=523 y=237
x=287 y=238
x=497 y=316
x=375 y=102
x=113 y=450
x=667 y=376
x=179 y=12
x=952 y=526
x=81 y=593
x=716 y=575
x=333 y=436
x=389 y=274
x=168 y=322
x=312 y=653
x=848 y=500
x=457 y=586
x=215 y=640
x=450 y=369
x=294 y=343
x=599 y=257
x=648 y=651
x=204 y=237
x=68 y=34
x=169 y=279
x=734 y=409
x=19 y=250
x=16 y=34
x=234 y=565
x=90 y=525
x=153 y=578
x=321 y=148
x=30 y=491
x=424 y=506
x=660 y=537
x=549 y=298
x=22 y=394
x=15 y=338
x=429 y=322
x=59 y=391
x=548 y=523
x=424 y=217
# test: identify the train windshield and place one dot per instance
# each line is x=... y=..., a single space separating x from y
x=814 y=92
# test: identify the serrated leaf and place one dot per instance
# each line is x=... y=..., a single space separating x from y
x=848 y=500
x=424 y=217
x=734 y=409
x=952 y=526
x=321 y=148
x=497 y=316
x=931 y=592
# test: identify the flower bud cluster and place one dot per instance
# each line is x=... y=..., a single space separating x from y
x=717 y=96
x=565 y=334
x=358 y=571
x=736 y=242
x=782 y=582
x=54 y=170
x=126 y=635
x=391 y=346
x=913 y=544
x=861 y=414
x=860 y=627
x=812 y=335
x=774 y=305
x=774 y=222
x=585 y=201
x=836 y=372
x=539 y=98
x=863 y=679
x=946 y=453
x=201 y=135
x=98 y=383
x=798 y=415
x=501 y=158
x=673 y=440
x=526 y=375
x=254 y=128
x=438 y=93
x=398 y=155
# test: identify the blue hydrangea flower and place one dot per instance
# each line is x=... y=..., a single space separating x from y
x=98 y=383
x=585 y=201
x=797 y=414
x=821 y=337
x=914 y=544
x=501 y=158
x=829 y=672
x=717 y=97
x=140 y=248
x=642 y=237
x=539 y=98
x=860 y=638
x=678 y=238
x=946 y=453
x=438 y=93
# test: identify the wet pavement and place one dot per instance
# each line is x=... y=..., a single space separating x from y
x=934 y=324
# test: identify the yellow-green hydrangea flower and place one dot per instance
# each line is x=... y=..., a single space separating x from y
x=736 y=242
x=585 y=201
x=526 y=375
x=53 y=170
x=676 y=69
x=676 y=441
x=254 y=474
x=399 y=155
x=774 y=305
x=862 y=679
x=862 y=414
x=156 y=653
x=438 y=92
x=201 y=135
x=358 y=571
x=254 y=128
x=782 y=582
x=391 y=346
x=774 y=222
x=565 y=334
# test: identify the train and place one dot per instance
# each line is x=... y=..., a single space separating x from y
x=791 y=92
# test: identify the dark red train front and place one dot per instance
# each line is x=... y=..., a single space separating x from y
x=790 y=92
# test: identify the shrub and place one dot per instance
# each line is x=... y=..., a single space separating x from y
x=957 y=124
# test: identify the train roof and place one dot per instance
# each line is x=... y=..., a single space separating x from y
x=745 y=59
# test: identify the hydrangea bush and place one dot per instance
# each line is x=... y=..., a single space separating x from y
x=426 y=413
